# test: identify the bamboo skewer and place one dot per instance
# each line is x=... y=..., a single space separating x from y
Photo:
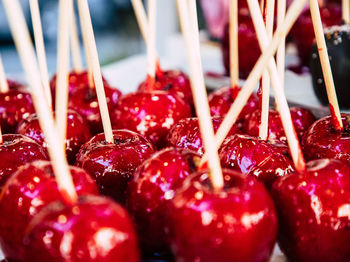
x=151 y=43
x=325 y=64
x=62 y=69
x=281 y=51
x=26 y=51
x=199 y=94
x=87 y=30
x=40 y=48
x=141 y=18
x=248 y=87
x=4 y=87
x=75 y=43
x=281 y=101
x=346 y=11
x=233 y=33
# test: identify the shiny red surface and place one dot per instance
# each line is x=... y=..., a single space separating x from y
x=172 y=81
x=15 y=105
x=149 y=192
x=186 y=134
x=151 y=114
x=113 y=165
x=302 y=120
x=238 y=223
x=94 y=229
x=303 y=31
x=77 y=132
x=15 y=151
x=30 y=189
x=250 y=155
x=221 y=100
x=314 y=212
x=322 y=140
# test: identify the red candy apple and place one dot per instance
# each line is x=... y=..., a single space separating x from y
x=95 y=229
x=77 y=132
x=186 y=134
x=151 y=114
x=314 y=212
x=113 y=165
x=302 y=120
x=250 y=155
x=322 y=141
x=172 y=81
x=28 y=190
x=149 y=192
x=237 y=223
x=221 y=100
x=15 y=151
x=15 y=105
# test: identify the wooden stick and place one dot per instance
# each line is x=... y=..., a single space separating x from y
x=75 y=43
x=62 y=68
x=200 y=96
x=346 y=11
x=268 y=13
x=86 y=51
x=281 y=101
x=233 y=28
x=40 y=48
x=4 y=87
x=281 y=51
x=141 y=18
x=87 y=29
x=293 y=12
x=325 y=64
x=151 y=46
x=26 y=52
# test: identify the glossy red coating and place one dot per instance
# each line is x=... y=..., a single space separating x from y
x=186 y=134
x=151 y=114
x=95 y=229
x=314 y=212
x=78 y=132
x=15 y=105
x=248 y=46
x=172 y=81
x=238 y=223
x=303 y=31
x=113 y=165
x=322 y=140
x=302 y=119
x=149 y=192
x=28 y=190
x=15 y=151
x=250 y=155
x=221 y=100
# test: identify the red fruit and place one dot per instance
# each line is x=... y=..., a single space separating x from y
x=302 y=120
x=77 y=132
x=15 y=105
x=237 y=223
x=151 y=114
x=186 y=134
x=172 y=81
x=113 y=165
x=322 y=141
x=250 y=155
x=303 y=31
x=149 y=192
x=314 y=212
x=221 y=100
x=15 y=151
x=248 y=47
x=94 y=229
x=28 y=190
x=84 y=101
